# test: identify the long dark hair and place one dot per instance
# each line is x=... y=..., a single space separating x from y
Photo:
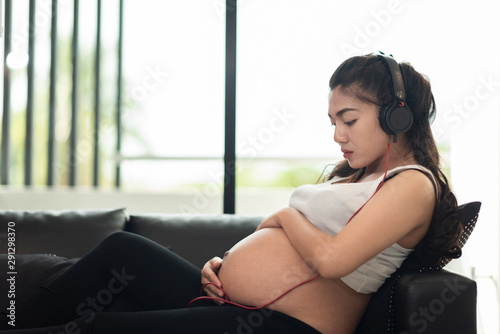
x=368 y=79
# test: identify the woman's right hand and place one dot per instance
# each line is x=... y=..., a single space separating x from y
x=209 y=275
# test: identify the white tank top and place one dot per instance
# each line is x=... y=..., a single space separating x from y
x=330 y=205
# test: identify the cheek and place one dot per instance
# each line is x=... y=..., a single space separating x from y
x=372 y=134
x=384 y=137
x=379 y=135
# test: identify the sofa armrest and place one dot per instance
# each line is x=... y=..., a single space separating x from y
x=435 y=302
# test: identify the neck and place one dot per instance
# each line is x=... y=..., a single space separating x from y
x=399 y=155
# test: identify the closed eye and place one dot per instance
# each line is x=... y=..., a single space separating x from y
x=350 y=122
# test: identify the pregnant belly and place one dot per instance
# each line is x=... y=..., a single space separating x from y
x=261 y=267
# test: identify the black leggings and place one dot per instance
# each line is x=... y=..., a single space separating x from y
x=129 y=284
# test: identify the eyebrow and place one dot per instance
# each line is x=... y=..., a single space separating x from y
x=341 y=112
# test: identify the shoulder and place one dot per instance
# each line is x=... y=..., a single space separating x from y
x=412 y=188
x=414 y=176
x=412 y=173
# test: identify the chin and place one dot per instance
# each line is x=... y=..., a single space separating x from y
x=356 y=164
x=353 y=164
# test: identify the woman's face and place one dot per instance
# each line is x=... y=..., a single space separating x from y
x=357 y=131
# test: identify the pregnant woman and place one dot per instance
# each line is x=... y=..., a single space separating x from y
x=311 y=266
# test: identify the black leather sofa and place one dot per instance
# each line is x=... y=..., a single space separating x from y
x=413 y=300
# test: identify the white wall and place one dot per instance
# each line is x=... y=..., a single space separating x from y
x=475 y=147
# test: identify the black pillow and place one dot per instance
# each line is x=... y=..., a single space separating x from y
x=468 y=214
x=32 y=271
x=63 y=233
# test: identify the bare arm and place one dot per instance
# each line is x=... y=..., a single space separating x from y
x=402 y=206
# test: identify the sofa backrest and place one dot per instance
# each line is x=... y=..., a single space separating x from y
x=73 y=233
x=195 y=237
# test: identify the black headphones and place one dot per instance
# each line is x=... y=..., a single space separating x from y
x=396 y=117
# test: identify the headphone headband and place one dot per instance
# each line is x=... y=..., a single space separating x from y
x=397 y=78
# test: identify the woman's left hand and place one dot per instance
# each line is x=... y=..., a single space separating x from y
x=275 y=220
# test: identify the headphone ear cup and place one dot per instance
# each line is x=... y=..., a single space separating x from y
x=383 y=119
x=395 y=119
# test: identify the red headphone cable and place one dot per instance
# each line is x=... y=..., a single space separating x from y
x=228 y=301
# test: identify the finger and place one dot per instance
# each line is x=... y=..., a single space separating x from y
x=208 y=274
x=208 y=269
x=214 y=270
x=219 y=302
x=216 y=262
x=214 y=280
x=211 y=288
x=214 y=292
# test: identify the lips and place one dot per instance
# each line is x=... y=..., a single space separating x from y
x=347 y=153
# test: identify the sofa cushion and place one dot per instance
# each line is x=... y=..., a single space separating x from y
x=195 y=237
x=63 y=233
x=32 y=271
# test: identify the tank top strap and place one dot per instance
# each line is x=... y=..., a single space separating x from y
x=395 y=171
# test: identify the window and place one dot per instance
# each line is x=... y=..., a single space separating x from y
x=173 y=137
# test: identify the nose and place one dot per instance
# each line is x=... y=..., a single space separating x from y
x=339 y=135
